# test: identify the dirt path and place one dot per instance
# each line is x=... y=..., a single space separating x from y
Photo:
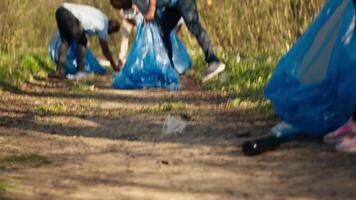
x=106 y=144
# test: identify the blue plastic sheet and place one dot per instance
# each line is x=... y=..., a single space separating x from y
x=148 y=64
x=313 y=87
x=70 y=66
x=285 y=131
x=181 y=59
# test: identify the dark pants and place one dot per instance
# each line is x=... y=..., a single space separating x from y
x=70 y=31
x=354 y=115
x=189 y=11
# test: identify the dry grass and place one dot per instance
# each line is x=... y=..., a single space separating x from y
x=257 y=24
x=232 y=25
x=246 y=27
x=28 y=26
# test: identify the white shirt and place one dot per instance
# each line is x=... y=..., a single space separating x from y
x=92 y=19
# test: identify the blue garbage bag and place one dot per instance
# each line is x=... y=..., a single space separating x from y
x=70 y=66
x=148 y=64
x=181 y=59
x=313 y=85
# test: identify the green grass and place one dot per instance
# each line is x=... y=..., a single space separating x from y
x=82 y=87
x=55 y=109
x=165 y=107
x=4 y=186
x=248 y=32
x=31 y=160
x=245 y=77
x=25 y=68
x=238 y=26
x=35 y=66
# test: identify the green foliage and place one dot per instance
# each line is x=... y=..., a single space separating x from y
x=250 y=36
x=82 y=87
x=5 y=71
x=4 y=186
x=244 y=74
x=165 y=107
x=245 y=77
x=34 y=66
x=232 y=25
x=25 y=68
x=52 y=109
x=34 y=63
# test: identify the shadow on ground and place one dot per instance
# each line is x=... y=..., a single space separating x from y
x=106 y=144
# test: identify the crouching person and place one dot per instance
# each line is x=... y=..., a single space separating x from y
x=74 y=23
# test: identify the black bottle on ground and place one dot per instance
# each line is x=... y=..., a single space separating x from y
x=259 y=146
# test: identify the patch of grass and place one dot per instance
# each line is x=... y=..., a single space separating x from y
x=165 y=107
x=82 y=87
x=245 y=77
x=56 y=108
x=6 y=73
x=231 y=24
x=31 y=160
x=35 y=66
x=261 y=105
x=24 y=68
x=4 y=186
x=246 y=73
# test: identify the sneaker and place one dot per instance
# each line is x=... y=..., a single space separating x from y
x=214 y=69
x=347 y=130
x=78 y=76
x=348 y=145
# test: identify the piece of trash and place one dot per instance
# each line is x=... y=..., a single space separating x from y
x=261 y=145
x=79 y=76
x=173 y=125
x=284 y=130
x=92 y=87
x=164 y=162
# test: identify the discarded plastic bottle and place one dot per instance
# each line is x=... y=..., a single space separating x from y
x=259 y=146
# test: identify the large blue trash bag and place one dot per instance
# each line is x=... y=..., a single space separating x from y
x=70 y=66
x=148 y=64
x=313 y=87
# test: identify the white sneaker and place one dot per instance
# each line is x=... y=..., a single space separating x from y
x=78 y=76
x=214 y=69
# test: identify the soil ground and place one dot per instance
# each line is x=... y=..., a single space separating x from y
x=108 y=144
